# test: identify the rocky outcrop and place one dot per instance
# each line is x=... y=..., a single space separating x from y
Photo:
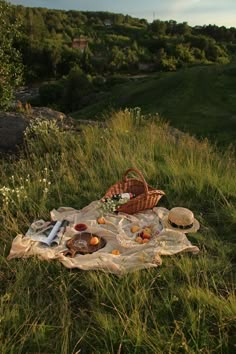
x=13 y=125
x=49 y=114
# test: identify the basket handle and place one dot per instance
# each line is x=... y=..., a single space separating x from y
x=139 y=174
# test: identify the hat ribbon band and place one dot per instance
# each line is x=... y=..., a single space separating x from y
x=182 y=227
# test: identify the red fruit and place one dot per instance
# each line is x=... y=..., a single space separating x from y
x=140 y=234
x=94 y=241
x=146 y=236
x=80 y=227
x=138 y=239
x=115 y=252
x=101 y=220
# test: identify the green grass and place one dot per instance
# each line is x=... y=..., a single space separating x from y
x=199 y=100
x=187 y=305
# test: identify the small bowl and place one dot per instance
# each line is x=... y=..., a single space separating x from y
x=80 y=243
x=80 y=227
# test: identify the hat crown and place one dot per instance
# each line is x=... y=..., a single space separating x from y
x=181 y=216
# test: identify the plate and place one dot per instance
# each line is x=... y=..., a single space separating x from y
x=80 y=243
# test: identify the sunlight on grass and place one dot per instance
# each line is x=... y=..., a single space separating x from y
x=187 y=305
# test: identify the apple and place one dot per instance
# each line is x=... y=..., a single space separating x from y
x=146 y=235
x=115 y=252
x=134 y=228
x=147 y=230
x=139 y=239
x=101 y=220
x=94 y=241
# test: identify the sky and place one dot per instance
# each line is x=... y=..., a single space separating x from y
x=195 y=12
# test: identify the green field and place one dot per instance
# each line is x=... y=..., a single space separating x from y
x=199 y=100
x=187 y=305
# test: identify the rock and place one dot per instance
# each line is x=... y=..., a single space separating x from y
x=13 y=125
x=46 y=113
x=66 y=122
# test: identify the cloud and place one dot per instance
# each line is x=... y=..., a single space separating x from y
x=212 y=12
x=198 y=12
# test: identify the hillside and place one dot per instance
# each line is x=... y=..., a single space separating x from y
x=187 y=305
x=116 y=61
x=200 y=100
x=186 y=302
x=55 y=41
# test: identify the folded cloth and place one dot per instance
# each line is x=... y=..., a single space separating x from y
x=117 y=231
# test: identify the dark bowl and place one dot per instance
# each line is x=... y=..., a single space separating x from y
x=80 y=243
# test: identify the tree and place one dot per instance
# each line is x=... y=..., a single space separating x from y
x=183 y=28
x=10 y=61
x=118 y=59
x=70 y=58
x=77 y=89
x=158 y=27
x=184 y=54
x=53 y=54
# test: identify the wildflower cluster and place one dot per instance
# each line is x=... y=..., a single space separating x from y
x=109 y=205
x=45 y=182
x=41 y=127
x=13 y=194
x=135 y=113
x=20 y=190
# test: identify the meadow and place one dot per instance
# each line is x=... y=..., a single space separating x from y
x=187 y=305
x=199 y=99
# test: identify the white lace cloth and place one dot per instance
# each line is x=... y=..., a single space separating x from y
x=117 y=233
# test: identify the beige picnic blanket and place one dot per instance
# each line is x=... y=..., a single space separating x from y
x=117 y=233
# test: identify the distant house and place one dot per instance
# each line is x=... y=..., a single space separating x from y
x=80 y=43
x=108 y=22
x=197 y=27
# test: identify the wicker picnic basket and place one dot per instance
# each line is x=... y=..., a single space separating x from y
x=146 y=196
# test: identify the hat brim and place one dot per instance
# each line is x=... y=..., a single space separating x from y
x=167 y=225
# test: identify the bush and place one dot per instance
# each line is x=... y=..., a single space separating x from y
x=77 y=86
x=51 y=93
x=11 y=67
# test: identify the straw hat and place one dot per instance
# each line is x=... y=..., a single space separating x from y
x=180 y=219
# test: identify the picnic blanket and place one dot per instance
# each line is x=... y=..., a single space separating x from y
x=117 y=233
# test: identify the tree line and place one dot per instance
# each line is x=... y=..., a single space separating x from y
x=114 y=44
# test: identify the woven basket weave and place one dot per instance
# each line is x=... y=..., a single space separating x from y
x=146 y=196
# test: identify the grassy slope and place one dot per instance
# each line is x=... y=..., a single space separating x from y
x=187 y=305
x=200 y=100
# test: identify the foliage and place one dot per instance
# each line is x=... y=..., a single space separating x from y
x=77 y=89
x=10 y=60
x=168 y=64
x=118 y=47
x=187 y=305
x=52 y=93
x=72 y=92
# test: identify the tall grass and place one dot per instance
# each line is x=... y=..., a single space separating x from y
x=188 y=305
